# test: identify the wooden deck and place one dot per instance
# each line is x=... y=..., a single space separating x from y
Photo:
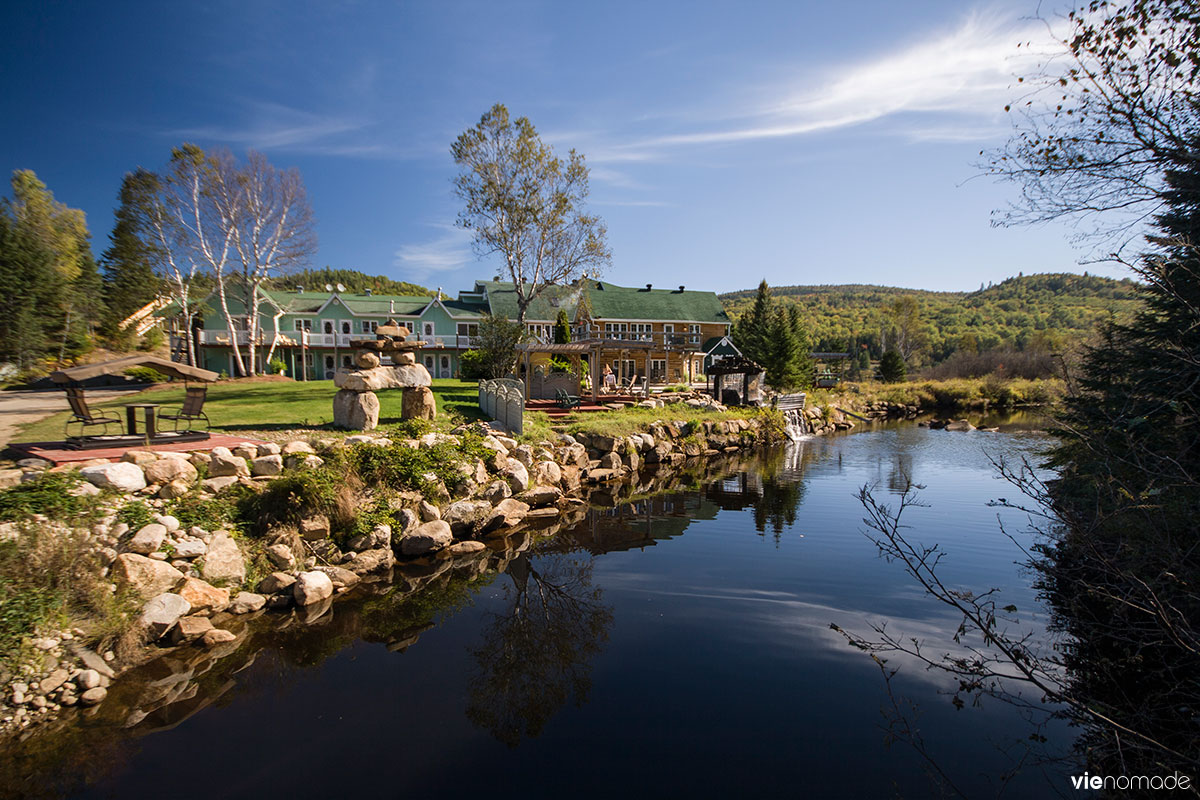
x=58 y=453
x=605 y=402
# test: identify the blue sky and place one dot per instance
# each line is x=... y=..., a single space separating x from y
x=803 y=142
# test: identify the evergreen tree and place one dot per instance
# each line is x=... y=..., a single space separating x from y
x=750 y=334
x=562 y=328
x=782 y=356
x=25 y=271
x=129 y=279
x=562 y=335
x=891 y=367
x=804 y=366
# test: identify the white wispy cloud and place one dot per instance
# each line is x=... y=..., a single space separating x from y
x=273 y=126
x=955 y=81
x=449 y=251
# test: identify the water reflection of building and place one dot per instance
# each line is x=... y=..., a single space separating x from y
x=639 y=524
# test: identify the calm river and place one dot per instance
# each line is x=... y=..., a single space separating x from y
x=671 y=644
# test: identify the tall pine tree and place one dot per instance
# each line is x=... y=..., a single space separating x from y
x=129 y=279
x=750 y=334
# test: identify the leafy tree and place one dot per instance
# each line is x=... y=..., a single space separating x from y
x=1106 y=118
x=51 y=293
x=129 y=279
x=525 y=203
x=891 y=367
x=496 y=353
x=240 y=223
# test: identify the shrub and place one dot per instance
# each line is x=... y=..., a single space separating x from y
x=48 y=494
x=277 y=366
x=146 y=375
x=135 y=514
x=472 y=365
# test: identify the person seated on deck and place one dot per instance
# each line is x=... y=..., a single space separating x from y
x=610 y=380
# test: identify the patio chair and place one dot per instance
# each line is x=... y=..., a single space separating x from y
x=191 y=410
x=627 y=386
x=566 y=400
x=83 y=417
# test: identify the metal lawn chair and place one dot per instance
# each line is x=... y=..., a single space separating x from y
x=192 y=409
x=82 y=416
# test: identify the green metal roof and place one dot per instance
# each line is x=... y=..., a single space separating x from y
x=502 y=301
x=375 y=304
x=610 y=301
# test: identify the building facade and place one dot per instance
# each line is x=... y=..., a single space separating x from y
x=667 y=335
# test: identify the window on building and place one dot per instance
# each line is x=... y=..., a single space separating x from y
x=468 y=329
x=346 y=362
x=328 y=326
x=345 y=326
x=428 y=329
x=304 y=325
x=369 y=325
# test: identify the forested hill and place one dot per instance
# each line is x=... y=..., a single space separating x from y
x=353 y=280
x=1036 y=310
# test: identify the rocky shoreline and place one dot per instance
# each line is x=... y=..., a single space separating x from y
x=198 y=588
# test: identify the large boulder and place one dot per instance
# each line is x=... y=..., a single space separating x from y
x=203 y=597
x=312 y=587
x=169 y=470
x=546 y=472
x=224 y=561
x=145 y=576
x=467 y=516
x=122 y=476
x=418 y=403
x=425 y=538
x=225 y=464
x=516 y=475
x=189 y=629
x=358 y=411
x=508 y=512
x=247 y=603
x=371 y=562
x=161 y=613
x=363 y=380
x=266 y=466
x=148 y=539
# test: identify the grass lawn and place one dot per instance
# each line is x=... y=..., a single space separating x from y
x=249 y=407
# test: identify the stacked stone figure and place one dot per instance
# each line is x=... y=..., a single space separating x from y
x=356 y=406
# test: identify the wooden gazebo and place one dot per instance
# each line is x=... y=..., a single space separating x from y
x=724 y=386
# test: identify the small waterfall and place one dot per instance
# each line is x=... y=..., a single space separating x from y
x=795 y=425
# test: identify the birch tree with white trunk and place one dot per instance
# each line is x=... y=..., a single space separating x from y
x=527 y=204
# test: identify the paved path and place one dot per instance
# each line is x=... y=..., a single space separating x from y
x=22 y=407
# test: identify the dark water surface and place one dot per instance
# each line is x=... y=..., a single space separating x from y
x=676 y=645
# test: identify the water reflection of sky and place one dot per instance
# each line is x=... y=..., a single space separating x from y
x=703 y=666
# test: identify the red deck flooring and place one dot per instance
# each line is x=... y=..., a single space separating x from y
x=59 y=454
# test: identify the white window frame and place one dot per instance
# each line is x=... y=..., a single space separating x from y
x=369 y=325
x=303 y=325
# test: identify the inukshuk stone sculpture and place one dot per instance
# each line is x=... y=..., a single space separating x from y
x=356 y=406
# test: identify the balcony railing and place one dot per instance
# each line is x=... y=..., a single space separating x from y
x=292 y=339
x=664 y=339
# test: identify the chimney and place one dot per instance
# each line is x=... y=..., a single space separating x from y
x=392 y=306
x=299 y=290
x=367 y=292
